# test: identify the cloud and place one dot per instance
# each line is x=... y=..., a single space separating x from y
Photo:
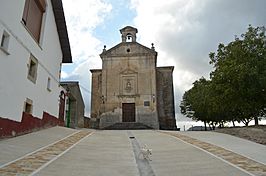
x=81 y=73
x=82 y=17
x=64 y=75
x=185 y=31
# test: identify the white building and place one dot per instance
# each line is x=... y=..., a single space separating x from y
x=34 y=44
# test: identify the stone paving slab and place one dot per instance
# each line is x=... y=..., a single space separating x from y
x=30 y=163
x=240 y=161
x=143 y=164
x=171 y=156
x=13 y=148
x=240 y=146
x=112 y=152
x=104 y=153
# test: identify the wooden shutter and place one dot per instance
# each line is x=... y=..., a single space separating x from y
x=25 y=12
x=32 y=16
x=41 y=4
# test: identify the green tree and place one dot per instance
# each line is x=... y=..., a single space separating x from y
x=196 y=103
x=237 y=89
x=240 y=75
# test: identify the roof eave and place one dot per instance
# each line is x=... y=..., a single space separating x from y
x=62 y=30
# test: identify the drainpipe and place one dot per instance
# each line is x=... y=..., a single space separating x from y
x=68 y=113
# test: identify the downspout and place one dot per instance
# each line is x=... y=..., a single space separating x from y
x=68 y=113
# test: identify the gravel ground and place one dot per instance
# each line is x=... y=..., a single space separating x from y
x=253 y=133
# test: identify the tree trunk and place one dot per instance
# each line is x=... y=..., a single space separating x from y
x=234 y=125
x=213 y=126
x=209 y=126
x=205 y=125
x=256 y=121
x=246 y=122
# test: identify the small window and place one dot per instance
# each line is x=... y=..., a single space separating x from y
x=28 y=106
x=49 y=84
x=5 y=42
x=33 y=65
x=33 y=16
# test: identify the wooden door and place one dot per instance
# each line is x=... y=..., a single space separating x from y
x=128 y=112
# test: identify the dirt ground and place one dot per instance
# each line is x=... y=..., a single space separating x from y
x=252 y=133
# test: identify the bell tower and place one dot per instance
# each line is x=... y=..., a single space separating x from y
x=129 y=34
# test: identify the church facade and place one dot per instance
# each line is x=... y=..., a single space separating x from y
x=130 y=88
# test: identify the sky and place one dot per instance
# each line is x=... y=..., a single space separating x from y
x=184 y=32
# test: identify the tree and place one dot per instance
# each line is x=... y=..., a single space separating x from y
x=196 y=103
x=236 y=90
x=240 y=73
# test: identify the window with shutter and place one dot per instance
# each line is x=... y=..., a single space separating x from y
x=32 y=16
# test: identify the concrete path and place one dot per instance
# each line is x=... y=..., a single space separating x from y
x=174 y=157
x=103 y=153
x=241 y=146
x=242 y=162
x=87 y=152
x=13 y=148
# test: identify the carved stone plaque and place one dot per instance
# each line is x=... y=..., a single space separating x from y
x=128 y=85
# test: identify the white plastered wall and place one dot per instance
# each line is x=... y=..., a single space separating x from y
x=15 y=87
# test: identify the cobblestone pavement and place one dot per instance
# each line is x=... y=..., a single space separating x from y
x=32 y=162
x=240 y=161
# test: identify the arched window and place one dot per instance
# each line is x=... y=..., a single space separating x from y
x=129 y=37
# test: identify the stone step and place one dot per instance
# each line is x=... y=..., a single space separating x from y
x=127 y=126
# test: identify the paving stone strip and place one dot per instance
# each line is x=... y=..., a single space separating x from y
x=240 y=161
x=144 y=166
x=32 y=162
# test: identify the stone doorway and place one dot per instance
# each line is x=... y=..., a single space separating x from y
x=128 y=112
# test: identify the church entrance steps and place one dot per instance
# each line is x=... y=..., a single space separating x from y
x=127 y=126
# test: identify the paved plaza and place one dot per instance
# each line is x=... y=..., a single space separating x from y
x=63 y=151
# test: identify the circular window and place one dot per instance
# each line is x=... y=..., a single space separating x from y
x=128 y=50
